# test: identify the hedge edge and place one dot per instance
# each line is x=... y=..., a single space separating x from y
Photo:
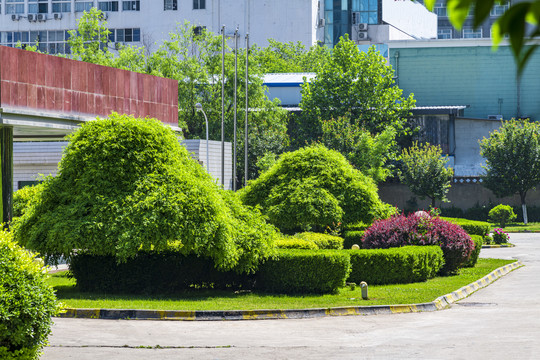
x=440 y=303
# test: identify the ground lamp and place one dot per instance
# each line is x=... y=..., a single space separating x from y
x=198 y=107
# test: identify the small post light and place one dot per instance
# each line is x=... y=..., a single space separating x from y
x=364 y=287
x=199 y=107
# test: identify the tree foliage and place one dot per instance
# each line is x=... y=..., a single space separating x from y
x=356 y=85
x=126 y=185
x=424 y=171
x=512 y=156
x=312 y=188
x=520 y=22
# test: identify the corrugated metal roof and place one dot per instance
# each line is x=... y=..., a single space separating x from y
x=286 y=79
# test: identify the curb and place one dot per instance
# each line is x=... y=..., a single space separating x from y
x=498 y=246
x=440 y=303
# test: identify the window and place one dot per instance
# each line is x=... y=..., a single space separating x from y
x=59 y=6
x=499 y=9
x=199 y=4
x=14 y=6
x=52 y=42
x=170 y=5
x=365 y=11
x=440 y=9
x=38 y=6
x=83 y=5
x=444 y=34
x=126 y=35
x=198 y=30
x=131 y=5
x=108 y=5
x=470 y=33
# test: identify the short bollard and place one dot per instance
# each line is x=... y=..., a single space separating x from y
x=364 y=287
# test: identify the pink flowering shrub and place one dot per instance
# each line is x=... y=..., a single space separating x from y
x=402 y=230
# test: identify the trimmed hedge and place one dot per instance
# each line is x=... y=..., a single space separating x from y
x=401 y=265
x=360 y=226
x=295 y=243
x=472 y=227
x=478 y=242
x=352 y=237
x=323 y=241
x=298 y=271
x=151 y=273
x=26 y=302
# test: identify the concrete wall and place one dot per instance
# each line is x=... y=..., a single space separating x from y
x=467 y=72
x=31 y=160
x=30 y=80
x=463 y=196
x=409 y=18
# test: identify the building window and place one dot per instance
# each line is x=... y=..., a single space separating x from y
x=125 y=35
x=199 y=4
x=52 y=42
x=170 y=5
x=15 y=7
x=470 y=33
x=131 y=5
x=440 y=9
x=108 y=5
x=198 y=30
x=364 y=11
x=83 y=5
x=38 y=6
x=59 y=6
x=499 y=9
x=444 y=33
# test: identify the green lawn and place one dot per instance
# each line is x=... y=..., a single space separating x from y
x=415 y=293
x=520 y=227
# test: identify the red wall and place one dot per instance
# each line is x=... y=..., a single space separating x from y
x=57 y=85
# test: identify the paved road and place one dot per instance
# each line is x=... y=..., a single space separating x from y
x=501 y=321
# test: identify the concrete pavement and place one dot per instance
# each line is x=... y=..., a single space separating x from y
x=501 y=321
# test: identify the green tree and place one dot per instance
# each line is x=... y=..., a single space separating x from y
x=126 y=185
x=512 y=156
x=521 y=23
x=356 y=85
x=89 y=42
x=424 y=171
x=366 y=152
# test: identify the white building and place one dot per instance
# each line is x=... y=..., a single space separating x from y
x=147 y=22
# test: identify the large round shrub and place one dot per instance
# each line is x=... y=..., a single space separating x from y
x=502 y=214
x=312 y=188
x=26 y=302
x=402 y=230
x=126 y=185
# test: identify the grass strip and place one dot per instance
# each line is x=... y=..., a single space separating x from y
x=203 y=299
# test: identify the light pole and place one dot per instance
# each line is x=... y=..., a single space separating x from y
x=198 y=107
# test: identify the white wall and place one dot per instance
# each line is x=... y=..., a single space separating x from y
x=410 y=17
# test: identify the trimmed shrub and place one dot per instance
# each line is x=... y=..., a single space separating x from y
x=396 y=265
x=24 y=197
x=126 y=185
x=26 y=302
x=360 y=226
x=398 y=231
x=500 y=236
x=313 y=188
x=323 y=241
x=472 y=227
x=297 y=271
x=151 y=273
x=352 y=237
x=478 y=242
x=295 y=243
x=502 y=214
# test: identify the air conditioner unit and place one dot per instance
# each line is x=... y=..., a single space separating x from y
x=104 y=16
x=355 y=18
x=362 y=35
x=57 y=16
x=15 y=17
x=362 y=27
x=321 y=23
x=495 y=117
x=32 y=17
x=118 y=45
x=41 y=17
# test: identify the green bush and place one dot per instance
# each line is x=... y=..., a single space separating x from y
x=352 y=237
x=295 y=243
x=26 y=302
x=314 y=188
x=395 y=265
x=502 y=214
x=323 y=241
x=126 y=185
x=478 y=242
x=360 y=226
x=472 y=227
x=151 y=273
x=24 y=197
x=298 y=271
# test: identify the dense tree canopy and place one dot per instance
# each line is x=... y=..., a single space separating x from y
x=126 y=185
